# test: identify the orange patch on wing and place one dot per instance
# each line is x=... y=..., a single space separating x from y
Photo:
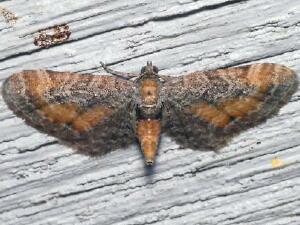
x=148 y=133
x=284 y=74
x=149 y=91
x=210 y=114
x=72 y=114
x=37 y=82
x=220 y=116
x=260 y=75
x=265 y=75
x=60 y=113
x=90 y=118
x=241 y=107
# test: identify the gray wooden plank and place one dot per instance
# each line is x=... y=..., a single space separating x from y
x=43 y=182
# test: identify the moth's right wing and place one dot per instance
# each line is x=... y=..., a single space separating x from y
x=203 y=110
x=92 y=113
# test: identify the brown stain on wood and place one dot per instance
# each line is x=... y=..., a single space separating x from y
x=9 y=16
x=52 y=35
x=149 y=91
x=277 y=163
x=148 y=133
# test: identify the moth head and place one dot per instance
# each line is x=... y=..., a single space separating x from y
x=149 y=70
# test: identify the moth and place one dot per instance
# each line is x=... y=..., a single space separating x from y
x=98 y=114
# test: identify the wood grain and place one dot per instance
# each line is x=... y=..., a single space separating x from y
x=44 y=182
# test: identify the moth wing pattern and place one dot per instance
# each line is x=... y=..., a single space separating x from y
x=92 y=113
x=206 y=109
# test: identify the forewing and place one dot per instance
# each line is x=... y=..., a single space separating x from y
x=205 y=109
x=92 y=113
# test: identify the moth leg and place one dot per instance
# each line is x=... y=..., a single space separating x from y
x=122 y=75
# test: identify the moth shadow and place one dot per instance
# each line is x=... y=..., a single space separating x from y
x=91 y=151
x=148 y=171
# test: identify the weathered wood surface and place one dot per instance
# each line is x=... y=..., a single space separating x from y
x=43 y=182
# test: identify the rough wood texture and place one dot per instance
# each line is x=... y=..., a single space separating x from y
x=43 y=182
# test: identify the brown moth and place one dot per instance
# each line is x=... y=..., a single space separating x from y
x=98 y=114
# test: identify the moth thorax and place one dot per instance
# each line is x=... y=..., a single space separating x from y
x=149 y=92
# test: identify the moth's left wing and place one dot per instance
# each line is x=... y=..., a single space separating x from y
x=92 y=113
x=205 y=109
